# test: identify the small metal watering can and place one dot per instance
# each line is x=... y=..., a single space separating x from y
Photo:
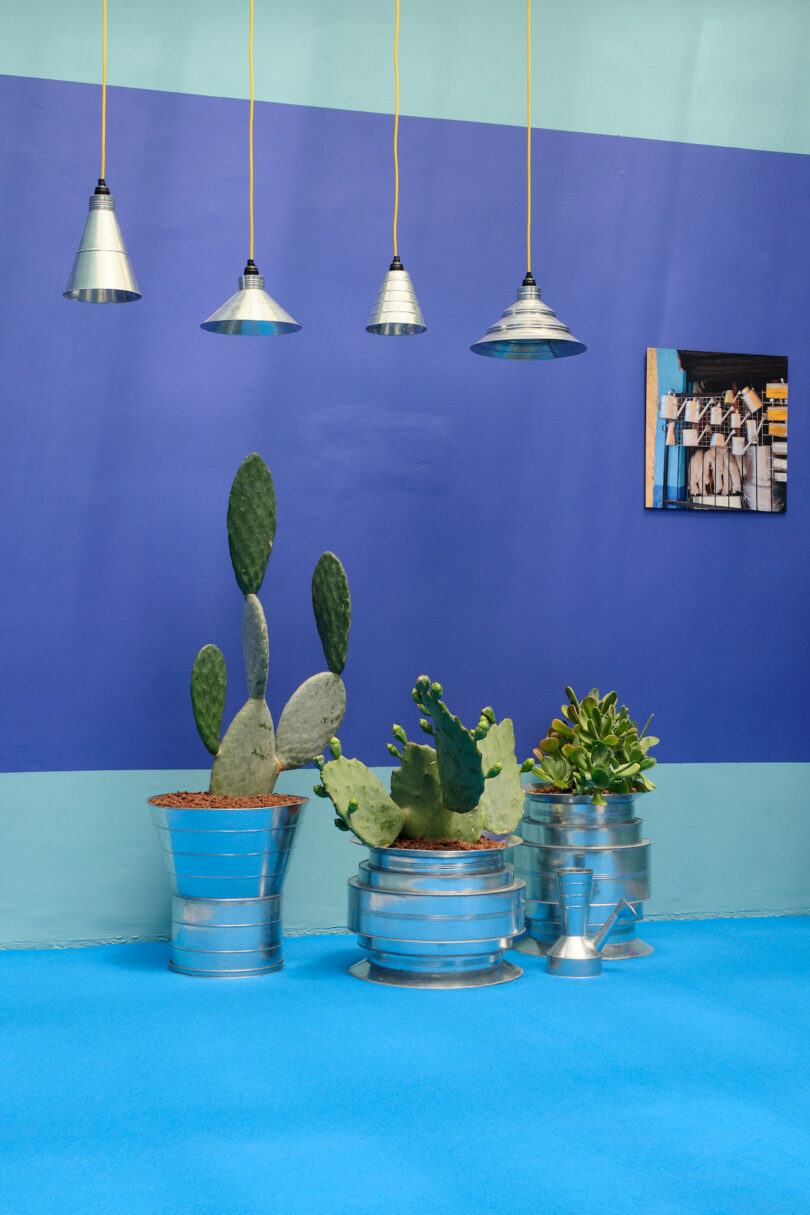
x=739 y=446
x=669 y=407
x=691 y=436
x=692 y=411
x=751 y=399
x=575 y=955
x=716 y=415
x=752 y=429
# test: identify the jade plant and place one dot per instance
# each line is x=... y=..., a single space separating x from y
x=466 y=783
x=596 y=750
x=250 y=756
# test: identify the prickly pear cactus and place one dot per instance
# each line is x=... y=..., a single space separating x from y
x=473 y=769
x=359 y=798
x=596 y=750
x=249 y=758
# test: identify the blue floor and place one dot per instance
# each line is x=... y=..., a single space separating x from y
x=675 y=1083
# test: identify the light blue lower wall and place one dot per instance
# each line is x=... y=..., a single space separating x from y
x=81 y=864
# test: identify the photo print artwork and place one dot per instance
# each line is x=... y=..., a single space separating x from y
x=717 y=431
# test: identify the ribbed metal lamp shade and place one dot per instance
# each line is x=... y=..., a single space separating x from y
x=251 y=312
x=101 y=271
x=396 y=310
x=528 y=329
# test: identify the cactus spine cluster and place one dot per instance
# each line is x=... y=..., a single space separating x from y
x=596 y=750
x=248 y=759
x=467 y=783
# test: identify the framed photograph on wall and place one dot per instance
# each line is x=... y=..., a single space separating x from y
x=717 y=431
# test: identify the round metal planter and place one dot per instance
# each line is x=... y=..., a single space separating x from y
x=227 y=871
x=436 y=918
x=566 y=831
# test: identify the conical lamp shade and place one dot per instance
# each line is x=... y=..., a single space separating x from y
x=396 y=310
x=101 y=271
x=528 y=329
x=251 y=312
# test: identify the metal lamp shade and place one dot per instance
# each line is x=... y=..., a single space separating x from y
x=528 y=329
x=101 y=271
x=251 y=312
x=396 y=311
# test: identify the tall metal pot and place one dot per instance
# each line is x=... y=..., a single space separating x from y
x=227 y=871
x=436 y=918
x=566 y=831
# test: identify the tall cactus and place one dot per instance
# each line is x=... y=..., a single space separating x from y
x=252 y=753
x=468 y=783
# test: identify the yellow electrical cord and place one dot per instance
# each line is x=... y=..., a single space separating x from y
x=529 y=136
x=396 y=128
x=250 y=138
x=103 y=87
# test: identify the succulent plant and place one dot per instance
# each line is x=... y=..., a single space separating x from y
x=248 y=759
x=469 y=782
x=596 y=750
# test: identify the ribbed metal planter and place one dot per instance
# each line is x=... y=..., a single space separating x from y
x=563 y=831
x=436 y=918
x=227 y=871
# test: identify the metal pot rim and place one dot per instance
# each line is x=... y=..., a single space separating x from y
x=512 y=841
x=580 y=798
x=286 y=799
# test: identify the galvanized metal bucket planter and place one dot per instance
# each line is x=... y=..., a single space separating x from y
x=436 y=918
x=227 y=871
x=566 y=831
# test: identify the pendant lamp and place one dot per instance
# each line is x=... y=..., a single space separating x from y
x=251 y=312
x=396 y=311
x=528 y=329
x=101 y=271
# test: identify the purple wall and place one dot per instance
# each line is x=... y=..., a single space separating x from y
x=490 y=515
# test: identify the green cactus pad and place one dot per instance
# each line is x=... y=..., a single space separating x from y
x=310 y=719
x=415 y=788
x=502 y=799
x=378 y=820
x=209 y=680
x=460 y=771
x=245 y=764
x=251 y=522
x=255 y=647
x=332 y=605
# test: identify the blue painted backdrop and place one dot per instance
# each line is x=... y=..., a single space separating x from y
x=490 y=515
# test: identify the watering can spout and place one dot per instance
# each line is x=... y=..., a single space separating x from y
x=610 y=923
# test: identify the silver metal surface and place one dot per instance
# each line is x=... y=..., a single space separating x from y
x=435 y=918
x=563 y=830
x=528 y=329
x=101 y=272
x=575 y=955
x=227 y=872
x=396 y=311
x=251 y=312
x=504 y=972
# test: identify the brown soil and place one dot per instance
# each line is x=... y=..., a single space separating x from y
x=421 y=845
x=216 y=801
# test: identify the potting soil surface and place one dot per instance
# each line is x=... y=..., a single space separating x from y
x=673 y=1083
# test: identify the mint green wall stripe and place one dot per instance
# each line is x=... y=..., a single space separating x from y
x=728 y=72
x=80 y=862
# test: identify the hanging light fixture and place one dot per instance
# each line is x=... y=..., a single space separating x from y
x=528 y=328
x=101 y=271
x=251 y=312
x=396 y=311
